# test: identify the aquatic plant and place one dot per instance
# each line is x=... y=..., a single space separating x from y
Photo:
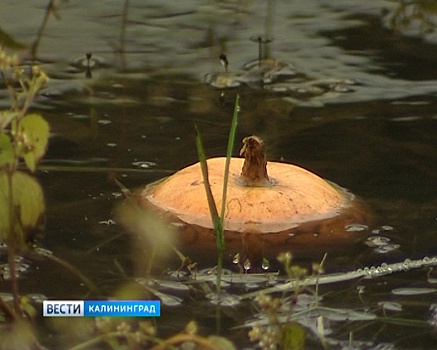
x=280 y=333
x=23 y=136
x=218 y=221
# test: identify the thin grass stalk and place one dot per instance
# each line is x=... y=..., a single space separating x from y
x=231 y=142
x=218 y=221
x=218 y=228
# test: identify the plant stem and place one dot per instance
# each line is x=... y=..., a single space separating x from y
x=217 y=223
x=11 y=243
x=50 y=8
x=9 y=315
x=231 y=142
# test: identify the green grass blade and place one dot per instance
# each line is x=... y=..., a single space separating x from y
x=211 y=203
x=231 y=142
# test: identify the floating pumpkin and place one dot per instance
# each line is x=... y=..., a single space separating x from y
x=270 y=206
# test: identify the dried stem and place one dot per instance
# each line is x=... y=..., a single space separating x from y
x=254 y=172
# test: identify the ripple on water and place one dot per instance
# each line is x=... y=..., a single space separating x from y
x=223 y=299
x=413 y=291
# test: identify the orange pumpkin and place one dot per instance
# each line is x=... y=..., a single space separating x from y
x=270 y=206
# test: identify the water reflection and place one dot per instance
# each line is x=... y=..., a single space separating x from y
x=417 y=15
x=356 y=104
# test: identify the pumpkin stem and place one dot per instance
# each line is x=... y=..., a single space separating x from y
x=254 y=172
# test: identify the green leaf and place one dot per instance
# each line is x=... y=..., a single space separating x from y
x=6 y=152
x=218 y=229
x=293 y=337
x=28 y=204
x=33 y=132
x=30 y=199
x=221 y=342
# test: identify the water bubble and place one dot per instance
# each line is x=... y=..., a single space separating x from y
x=236 y=259
x=387 y=227
x=356 y=227
x=111 y=144
x=37 y=298
x=79 y=116
x=386 y=249
x=407 y=264
x=177 y=274
x=22 y=267
x=104 y=122
x=43 y=251
x=342 y=88
x=144 y=164
x=376 y=241
x=18 y=259
x=5 y=272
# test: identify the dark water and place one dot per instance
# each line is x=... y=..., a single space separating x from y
x=360 y=111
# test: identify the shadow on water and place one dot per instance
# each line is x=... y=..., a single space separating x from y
x=356 y=106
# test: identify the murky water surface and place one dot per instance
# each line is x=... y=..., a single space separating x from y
x=352 y=97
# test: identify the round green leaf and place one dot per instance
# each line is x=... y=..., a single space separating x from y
x=33 y=132
x=28 y=204
x=293 y=337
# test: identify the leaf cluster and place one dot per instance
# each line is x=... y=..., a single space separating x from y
x=23 y=138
